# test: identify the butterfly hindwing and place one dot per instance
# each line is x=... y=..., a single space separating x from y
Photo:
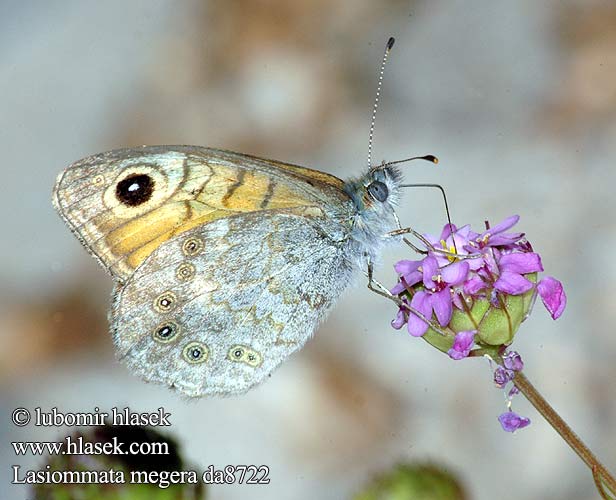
x=216 y=309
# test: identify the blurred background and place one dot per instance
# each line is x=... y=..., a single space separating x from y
x=518 y=101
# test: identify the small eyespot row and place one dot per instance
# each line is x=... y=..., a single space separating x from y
x=244 y=354
x=165 y=302
x=192 y=246
x=185 y=271
x=166 y=332
x=195 y=352
x=98 y=180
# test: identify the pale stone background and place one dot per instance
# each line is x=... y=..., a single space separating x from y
x=518 y=100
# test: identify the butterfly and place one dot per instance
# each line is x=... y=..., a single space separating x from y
x=224 y=263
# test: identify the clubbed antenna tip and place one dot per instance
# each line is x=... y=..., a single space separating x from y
x=390 y=44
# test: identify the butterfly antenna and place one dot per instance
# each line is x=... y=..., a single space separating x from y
x=430 y=158
x=390 y=44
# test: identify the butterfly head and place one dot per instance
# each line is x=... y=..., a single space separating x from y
x=374 y=196
x=378 y=190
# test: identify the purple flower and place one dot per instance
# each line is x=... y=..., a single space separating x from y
x=502 y=376
x=514 y=391
x=409 y=275
x=482 y=269
x=511 y=421
x=496 y=236
x=553 y=296
x=455 y=241
x=478 y=274
x=437 y=295
x=513 y=361
x=436 y=279
x=462 y=344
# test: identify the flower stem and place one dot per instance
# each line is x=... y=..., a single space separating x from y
x=564 y=430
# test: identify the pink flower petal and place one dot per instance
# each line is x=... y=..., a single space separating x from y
x=472 y=286
x=505 y=239
x=553 y=296
x=464 y=232
x=448 y=229
x=462 y=344
x=512 y=283
x=399 y=321
x=455 y=273
x=502 y=226
x=413 y=278
x=513 y=361
x=457 y=300
x=429 y=268
x=460 y=242
x=416 y=325
x=477 y=262
x=406 y=266
x=520 y=263
x=441 y=303
x=490 y=263
x=511 y=421
x=398 y=288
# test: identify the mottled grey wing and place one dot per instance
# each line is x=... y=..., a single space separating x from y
x=216 y=310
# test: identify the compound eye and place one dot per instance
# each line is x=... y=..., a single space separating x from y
x=378 y=190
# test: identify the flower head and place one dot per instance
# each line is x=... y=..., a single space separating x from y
x=468 y=281
x=469 y=295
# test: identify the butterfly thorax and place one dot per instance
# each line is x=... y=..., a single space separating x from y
x=374 y=196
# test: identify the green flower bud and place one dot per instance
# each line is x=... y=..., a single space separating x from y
x=405 y=482
x=495 y=325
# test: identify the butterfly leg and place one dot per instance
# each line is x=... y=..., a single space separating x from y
x=410 y=230
x=402 y=230
x=431 y=248
x=377 y=287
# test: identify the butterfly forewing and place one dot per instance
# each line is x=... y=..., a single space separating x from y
x=124 y=204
